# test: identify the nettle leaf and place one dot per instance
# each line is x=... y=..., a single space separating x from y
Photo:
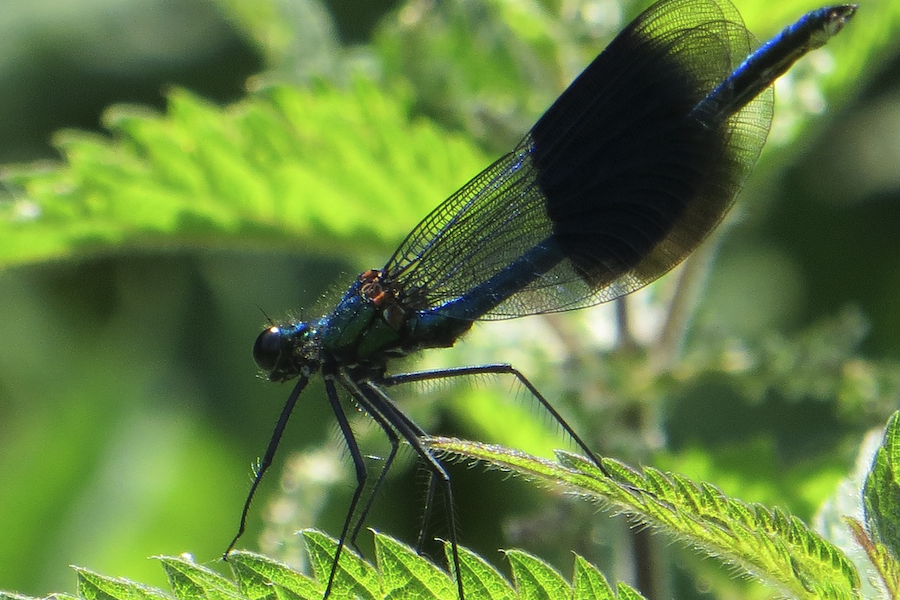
x=322 y=168
x=93 y=586
x=400 y=573
x=590 y=583
x=882 y=560
x=480 y=578
x=881 y=495
x=536 y=579
x=769 y=544
x=259 y=578
x=356 y=577
x=190 y=580
x=405 y=575
x=880 y=537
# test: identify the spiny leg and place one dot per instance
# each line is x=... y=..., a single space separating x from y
x=429 y=495
x=426 y=513
x=267 y=458
x=394 y=440
x=496 y=369
x=361 y=474
x=413 y=434
x=371 y=409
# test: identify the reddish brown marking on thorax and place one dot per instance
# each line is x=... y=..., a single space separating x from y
x=382 y=294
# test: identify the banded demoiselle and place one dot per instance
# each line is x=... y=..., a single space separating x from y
x=622 y=177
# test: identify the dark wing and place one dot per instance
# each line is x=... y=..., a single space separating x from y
x=617 y=179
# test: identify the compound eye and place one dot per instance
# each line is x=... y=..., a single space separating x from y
x=267 y=349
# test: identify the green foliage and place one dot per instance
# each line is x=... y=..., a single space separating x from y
x=882 y=491
x=338 y=151
x=822 y=363
x=765 y=543
x=884 y=563
x=881 y=536
x=313 y=167
x=285 y=168
x=400 y=573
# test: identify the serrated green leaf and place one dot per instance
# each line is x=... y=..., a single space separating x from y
x=884 y=562
x=588 y=582
x=625 y=592
x=93 y=586
x=480 y=579
x=259 y=577
x=535 y=579
x=319 y=168
x=191 y=581
x=405 y=574
x=767 y=543
x=354 y=577
x=881 y=495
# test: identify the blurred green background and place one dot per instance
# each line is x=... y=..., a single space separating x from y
x=130 y=410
